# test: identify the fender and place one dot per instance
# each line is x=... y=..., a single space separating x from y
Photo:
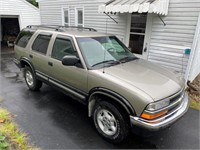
x=28 y=62
x=109 y=93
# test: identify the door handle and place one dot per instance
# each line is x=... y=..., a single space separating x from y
x=31 y=56
x=50 y=63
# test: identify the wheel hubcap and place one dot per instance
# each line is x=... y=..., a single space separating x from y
x=107 y=122
x=29 y=78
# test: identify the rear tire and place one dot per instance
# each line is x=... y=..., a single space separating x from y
x=30 y=79
x=110 y=122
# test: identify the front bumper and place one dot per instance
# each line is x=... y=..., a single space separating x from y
x=164 y=121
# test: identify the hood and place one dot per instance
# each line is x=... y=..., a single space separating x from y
x=152 y=79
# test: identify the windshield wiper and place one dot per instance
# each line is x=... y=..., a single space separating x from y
x=127 y=58
x=107 y=61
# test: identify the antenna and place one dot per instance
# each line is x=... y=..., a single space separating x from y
x=107 y=33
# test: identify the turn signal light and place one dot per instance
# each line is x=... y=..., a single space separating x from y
x=153 y=116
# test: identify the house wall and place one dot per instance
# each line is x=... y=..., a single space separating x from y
x=27 y=14
x=51 y=13
x=168 y=42
x=195 y=69
x=194 y=63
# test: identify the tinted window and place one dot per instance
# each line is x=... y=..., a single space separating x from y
x=23 y=38
x=61 y=48
x=41 y=43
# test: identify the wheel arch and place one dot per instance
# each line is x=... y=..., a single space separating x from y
x=26 y=62
x=113 y=96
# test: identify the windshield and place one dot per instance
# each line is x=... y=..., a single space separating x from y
x=104 y=51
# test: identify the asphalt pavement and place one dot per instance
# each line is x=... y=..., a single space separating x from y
x=54 y=121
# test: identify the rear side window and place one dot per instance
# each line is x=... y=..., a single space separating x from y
x=41 y=43
x=61 y=48
x=23 y=38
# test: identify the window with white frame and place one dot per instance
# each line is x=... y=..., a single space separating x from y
x=79 y=17
x=66 y=17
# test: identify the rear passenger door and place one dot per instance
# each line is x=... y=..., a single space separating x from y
x=71 y=77
x=38 y=55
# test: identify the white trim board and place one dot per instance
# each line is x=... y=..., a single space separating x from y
x=194 y=51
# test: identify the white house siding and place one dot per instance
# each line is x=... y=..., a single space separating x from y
x=168 y=42
x=26 y=13
x=195 y=70
x=194 y=63
x=51 y=13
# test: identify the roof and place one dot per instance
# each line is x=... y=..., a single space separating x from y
x=135 y=6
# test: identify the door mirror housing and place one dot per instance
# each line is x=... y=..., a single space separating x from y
x=70 y=60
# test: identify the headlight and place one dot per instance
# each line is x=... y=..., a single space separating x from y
x=150 y=111
x=158 y=105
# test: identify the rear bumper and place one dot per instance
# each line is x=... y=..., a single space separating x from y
x=163 y=122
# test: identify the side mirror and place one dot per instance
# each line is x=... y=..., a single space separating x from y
x=70 y=60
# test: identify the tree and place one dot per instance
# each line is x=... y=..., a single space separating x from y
x=33 y=2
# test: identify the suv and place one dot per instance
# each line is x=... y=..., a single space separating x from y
x=120 y=90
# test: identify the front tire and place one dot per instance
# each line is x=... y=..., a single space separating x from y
x=110 y=122
x=30 y=79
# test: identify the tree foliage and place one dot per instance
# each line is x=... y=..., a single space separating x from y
x=33 y=2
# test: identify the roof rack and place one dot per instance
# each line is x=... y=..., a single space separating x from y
x=60 y=28
x=82 y=28
x=56 y=27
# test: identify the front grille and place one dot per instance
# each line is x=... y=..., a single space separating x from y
x=178 y=98
x=174 y=99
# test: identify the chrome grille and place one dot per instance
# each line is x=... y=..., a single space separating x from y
x=176 y=100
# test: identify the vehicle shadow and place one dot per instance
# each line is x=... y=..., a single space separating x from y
x=72 y=117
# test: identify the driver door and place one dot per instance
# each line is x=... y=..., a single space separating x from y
x=72 y=77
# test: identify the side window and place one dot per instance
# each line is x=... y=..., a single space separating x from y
x=79 y=15
x=23 y=38
x=61 y=48
x=66 y=16
x=41 y=43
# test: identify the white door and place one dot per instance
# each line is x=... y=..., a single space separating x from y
x=139 y=34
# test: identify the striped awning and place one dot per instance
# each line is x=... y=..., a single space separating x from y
x=135 y=6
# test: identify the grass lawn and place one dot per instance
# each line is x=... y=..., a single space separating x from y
x=194 y=96
x=11 y=138
x=193 y=103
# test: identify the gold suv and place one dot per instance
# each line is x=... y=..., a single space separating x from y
x=120 y=90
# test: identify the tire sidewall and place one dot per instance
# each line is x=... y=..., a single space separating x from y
x=33 y=75
x=119 y=135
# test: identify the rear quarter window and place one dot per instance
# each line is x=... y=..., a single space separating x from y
x=23 y=38
x=41 y=43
